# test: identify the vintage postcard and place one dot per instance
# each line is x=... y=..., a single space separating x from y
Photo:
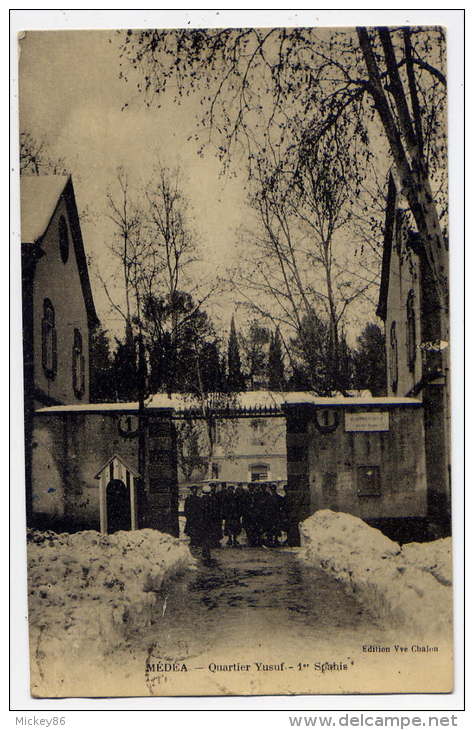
x=234 y=248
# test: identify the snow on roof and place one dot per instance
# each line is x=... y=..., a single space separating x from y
x=39 y=195
x=249 y=399
x=274 y=399
x=90 y=408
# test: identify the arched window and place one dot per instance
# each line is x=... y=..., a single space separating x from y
x=393 y=362
x=411 y=331
x=63 y=239
x=78 y=366
x=49 y=340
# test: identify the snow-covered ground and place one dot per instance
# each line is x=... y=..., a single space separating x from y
x=407 y=586
x=86 y=591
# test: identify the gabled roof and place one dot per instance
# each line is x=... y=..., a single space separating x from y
x=39 y=198
x=124 y=463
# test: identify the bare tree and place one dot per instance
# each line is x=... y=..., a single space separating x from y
x=400 y=110
x=277 y=84
x=323 y=203
x=35 y=158
x=301 y=215
x=170 y=250
x=127 y=249
x=154 y=247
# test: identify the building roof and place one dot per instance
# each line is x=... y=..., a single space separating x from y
x=39 y=196
x=122 y=461
x=260 y=399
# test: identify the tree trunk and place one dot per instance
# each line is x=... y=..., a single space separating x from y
x=410 y=165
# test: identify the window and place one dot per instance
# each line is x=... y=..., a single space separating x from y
x=368 y=481
x=63 y=239
x=49 y=344
x=259 y=473
x=259 y=426
x=215 y=471
x=78 y=366
x=411 y=331
x=393 y=362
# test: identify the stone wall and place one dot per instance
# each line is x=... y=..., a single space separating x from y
x=69 y=448
x=372 y=474
x=68 y=451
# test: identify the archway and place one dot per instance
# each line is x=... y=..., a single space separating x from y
x=118 y=506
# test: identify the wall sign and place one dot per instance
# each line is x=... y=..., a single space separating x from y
x=367 y=421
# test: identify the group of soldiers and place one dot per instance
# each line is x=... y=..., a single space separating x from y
x=224 y=509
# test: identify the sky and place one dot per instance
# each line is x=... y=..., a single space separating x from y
x=72 y=96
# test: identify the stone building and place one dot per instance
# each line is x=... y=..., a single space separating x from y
x=246 y=448
x=58 y=309
x=417 y=358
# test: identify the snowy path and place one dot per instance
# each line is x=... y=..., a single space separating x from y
x=248 y=606
x=257 y=595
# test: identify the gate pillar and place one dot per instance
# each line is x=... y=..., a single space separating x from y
x=297 y=416
x=160 y=510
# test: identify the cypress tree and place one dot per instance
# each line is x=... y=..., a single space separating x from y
x=101 y=370
x=235 y=378
x=276 y=367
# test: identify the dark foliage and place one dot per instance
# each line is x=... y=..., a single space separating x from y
x=235 y=377
x=369 y=361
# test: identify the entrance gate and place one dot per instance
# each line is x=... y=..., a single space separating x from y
x=364 y=456
x=296 y=451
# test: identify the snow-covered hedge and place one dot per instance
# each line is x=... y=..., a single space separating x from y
x=87 y=590
x=408 y=586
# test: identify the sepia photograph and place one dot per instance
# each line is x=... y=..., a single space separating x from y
x=236 y=360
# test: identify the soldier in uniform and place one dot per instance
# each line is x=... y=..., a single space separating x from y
x=216 y=519
x=272 y=516
x=259 y=509
x=248 y=519
x=231 y=512
x=292 y=511
x=192 y=511
x=284 y=513
x=206 y=537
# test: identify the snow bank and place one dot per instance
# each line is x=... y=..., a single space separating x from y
x=406 y=587
x=434 y=557
x=87 y=590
